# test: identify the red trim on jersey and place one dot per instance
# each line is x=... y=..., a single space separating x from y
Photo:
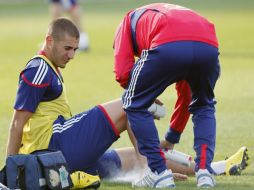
x=110 y=120
x=31 y=84
x=203 y=158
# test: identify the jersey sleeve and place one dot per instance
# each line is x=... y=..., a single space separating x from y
x=123 y=52
x=181 y=113
x=33 y=83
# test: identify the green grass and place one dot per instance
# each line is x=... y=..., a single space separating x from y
x=90 y=80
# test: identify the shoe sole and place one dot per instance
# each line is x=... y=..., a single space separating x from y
x=237 y=169
x=205 y=184
x=245 y=159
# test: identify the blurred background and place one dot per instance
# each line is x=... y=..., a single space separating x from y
x=90 y=80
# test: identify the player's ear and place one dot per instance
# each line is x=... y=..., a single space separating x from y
x=49 y=40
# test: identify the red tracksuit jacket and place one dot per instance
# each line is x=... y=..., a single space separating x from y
x=182 y=24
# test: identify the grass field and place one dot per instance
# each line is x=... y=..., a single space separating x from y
x=90 y=80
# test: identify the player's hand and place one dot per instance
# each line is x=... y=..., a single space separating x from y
x=180 y=177
x=157 y=101
x=157 y=109
x=166 y=145
x=156 y=117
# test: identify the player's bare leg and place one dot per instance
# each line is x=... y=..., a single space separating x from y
x=117 y=114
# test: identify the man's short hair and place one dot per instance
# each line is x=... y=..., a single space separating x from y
x=61 y=26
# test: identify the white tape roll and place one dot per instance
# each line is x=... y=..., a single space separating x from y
x=157 y=110
x=179 y=157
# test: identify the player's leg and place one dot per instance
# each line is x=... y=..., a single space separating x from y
x=147 y=82
x=116 y=113
x=202 y=79
x=84 y=137
x=234 y=164
x=58 y=7
x=123 y=164
x=75 y=12
x=55 y=8
x=131 y=162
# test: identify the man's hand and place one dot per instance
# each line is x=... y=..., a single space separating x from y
x=157 y=109
x=157 y=101
x=166 y=145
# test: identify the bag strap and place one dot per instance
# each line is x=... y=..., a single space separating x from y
x=3 y=176
x=134 y=20
x=22 y=177
x=135 y=16
x=43 y=151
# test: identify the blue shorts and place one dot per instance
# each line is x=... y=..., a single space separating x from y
x=83 y=138
x=67 y=4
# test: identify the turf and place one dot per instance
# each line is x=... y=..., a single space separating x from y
x=90 y=80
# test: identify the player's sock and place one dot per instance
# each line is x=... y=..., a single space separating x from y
x=219 y=167
x=109 y=165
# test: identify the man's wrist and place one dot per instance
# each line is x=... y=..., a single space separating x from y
x=173 y=136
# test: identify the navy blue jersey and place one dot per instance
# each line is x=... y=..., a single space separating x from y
x=37 y=83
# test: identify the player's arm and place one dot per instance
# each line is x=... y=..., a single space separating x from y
x=123 y=52
x=180 y=115
x=16 y=130
x=33 y=83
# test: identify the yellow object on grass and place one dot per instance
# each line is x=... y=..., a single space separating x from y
x=82 y=180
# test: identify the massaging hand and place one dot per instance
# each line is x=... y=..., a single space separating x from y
x=157 y=101
x=166 y=145
x=180 y=177
x=157 y=109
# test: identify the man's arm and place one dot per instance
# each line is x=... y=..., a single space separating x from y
x=16 y=131
x=123 y=52
x=180 y=115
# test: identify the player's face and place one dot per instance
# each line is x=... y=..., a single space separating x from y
x=63 y=50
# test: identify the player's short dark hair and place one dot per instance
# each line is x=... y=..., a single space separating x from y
x=61 y=26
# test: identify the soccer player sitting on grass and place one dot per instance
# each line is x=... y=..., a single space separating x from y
x=42 y=118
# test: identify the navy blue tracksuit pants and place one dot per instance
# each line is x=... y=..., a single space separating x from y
x=154 y=71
